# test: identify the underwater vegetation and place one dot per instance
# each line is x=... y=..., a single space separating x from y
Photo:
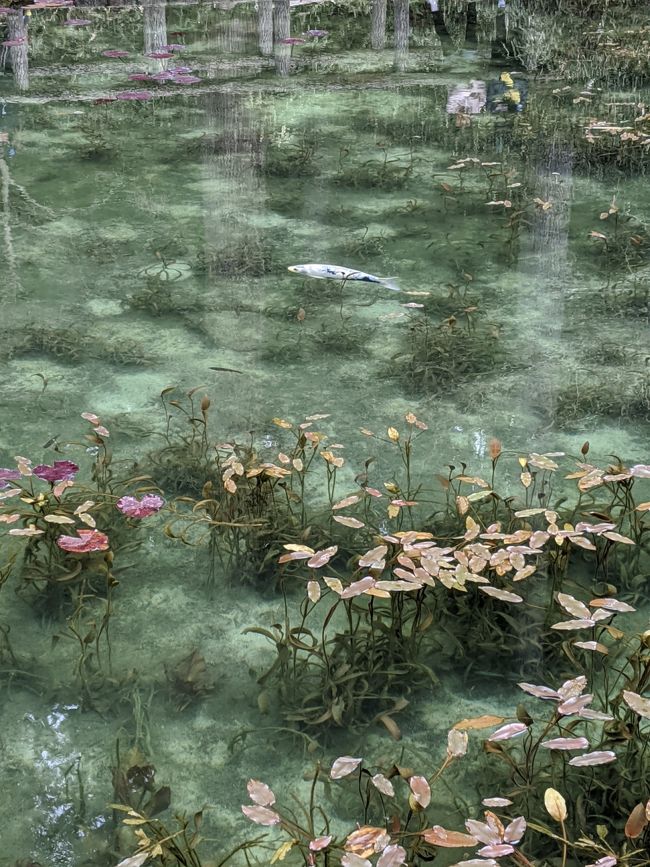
x=439 y=356
x=387 y=585
x=69 y=345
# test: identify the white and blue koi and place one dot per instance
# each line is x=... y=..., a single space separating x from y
x=338 y=272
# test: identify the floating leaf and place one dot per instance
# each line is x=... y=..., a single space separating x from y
x=31 y=530
x=566 y=744
x=58 y=519
x=599 y=757
x=135 y=860
x=349 y=522
x=496 y=850
x=504 y=595
x=260 y=815
x=540 y=691
x=574 y=624
x=636 y=822
x=591 y=645
x=321 y=558
x=477 y=862
x=392 y=856
x=573 y=606
x=421 y=790
x=260 y=793
x=366 y=840
x=637 y=703
x=617 y=537
x=496 y=802
x=478 y=722
x=348 y=501
x=555 y=805
x=280 y=422
x=334 y=584
x=343 y=766
x=439 y=836
x=611 y=605
x=352 y=860
x=373 y=557
x=457 y=742
x=294 y=555
x=490 y=835
x=574 y=705
x=383 y=784
x=319 y=843
x=588 y=713
x=511 y=730
x=358 y=587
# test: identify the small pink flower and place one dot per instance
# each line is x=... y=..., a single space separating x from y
x=134 y=508
x=88 y=540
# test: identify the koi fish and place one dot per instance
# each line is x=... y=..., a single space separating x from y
x=337 y=272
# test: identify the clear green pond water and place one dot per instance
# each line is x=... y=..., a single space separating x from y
x=146 y=241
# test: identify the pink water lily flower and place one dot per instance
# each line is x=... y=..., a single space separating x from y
x=6 y=473
x=60 y=471
x=86 y=541
x=134 y=508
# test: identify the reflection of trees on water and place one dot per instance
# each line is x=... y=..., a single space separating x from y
x=154 y=25
x=265 y=26
x=282 y=30
x=545 y=270
x=11 y=281
x=455 y=18
x=378 y=24
x=402 y=30
x=17 y=30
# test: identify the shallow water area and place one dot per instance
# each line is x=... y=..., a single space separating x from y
x=161 y=167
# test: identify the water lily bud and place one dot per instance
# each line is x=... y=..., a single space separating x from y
x=205 y=404
x=494 y=448
x=585 y=448
x=555 y=805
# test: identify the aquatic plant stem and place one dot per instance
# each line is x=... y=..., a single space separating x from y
x=564 y=843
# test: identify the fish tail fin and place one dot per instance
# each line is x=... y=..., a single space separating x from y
x=389 y=283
